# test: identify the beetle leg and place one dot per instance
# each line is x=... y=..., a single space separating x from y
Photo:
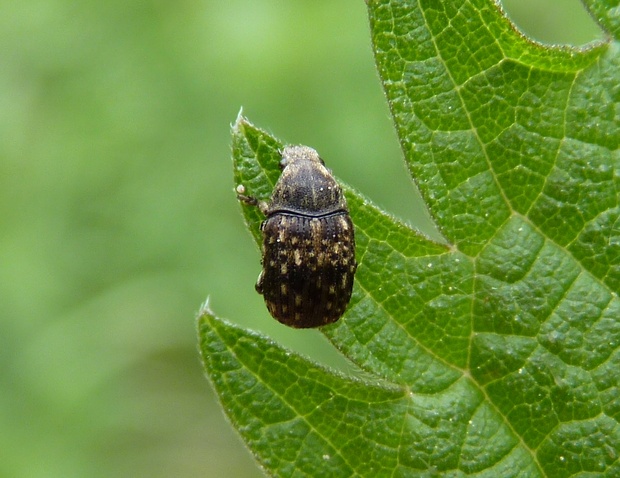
x=252 y=201
x=259 y=283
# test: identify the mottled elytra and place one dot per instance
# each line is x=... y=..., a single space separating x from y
x=308 y=243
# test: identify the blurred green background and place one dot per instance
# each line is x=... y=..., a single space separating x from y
x=118 y=216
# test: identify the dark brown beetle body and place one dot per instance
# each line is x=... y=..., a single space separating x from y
x=308 y=244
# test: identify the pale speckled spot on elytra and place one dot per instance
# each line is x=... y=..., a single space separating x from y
x=297 y=257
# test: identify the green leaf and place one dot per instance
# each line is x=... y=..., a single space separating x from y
x=607 y=14
x=496 y=353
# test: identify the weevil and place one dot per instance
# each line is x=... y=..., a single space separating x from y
x=308 y=250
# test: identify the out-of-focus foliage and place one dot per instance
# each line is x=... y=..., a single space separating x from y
x=117 y=214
